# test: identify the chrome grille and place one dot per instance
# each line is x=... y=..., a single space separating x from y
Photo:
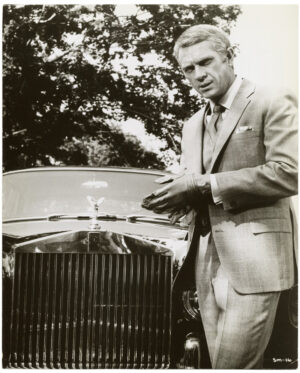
x=91 y=310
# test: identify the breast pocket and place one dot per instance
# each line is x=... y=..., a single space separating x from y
x=243 y=135
x=243 y=150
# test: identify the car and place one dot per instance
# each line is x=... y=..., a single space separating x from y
x=88 y=276
x=87 y=271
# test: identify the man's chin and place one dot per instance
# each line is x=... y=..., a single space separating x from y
x=210 y=95
x=207 y=92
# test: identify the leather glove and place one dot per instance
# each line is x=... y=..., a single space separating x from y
x=178 y=193
x=161 y=180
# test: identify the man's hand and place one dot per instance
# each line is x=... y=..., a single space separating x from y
x=178 y=193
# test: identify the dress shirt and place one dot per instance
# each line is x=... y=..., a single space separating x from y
x=226 y=101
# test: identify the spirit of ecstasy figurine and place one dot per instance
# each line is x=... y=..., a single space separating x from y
x=95 y=205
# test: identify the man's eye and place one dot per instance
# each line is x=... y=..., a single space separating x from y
x=206 y=62
x=188 y=70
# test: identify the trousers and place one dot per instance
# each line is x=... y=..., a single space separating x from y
x=237 y=326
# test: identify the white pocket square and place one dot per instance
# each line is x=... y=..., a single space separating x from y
x=242 y=129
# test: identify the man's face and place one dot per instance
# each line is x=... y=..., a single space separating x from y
x=208 y=71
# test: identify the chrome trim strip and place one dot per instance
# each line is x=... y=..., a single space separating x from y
x=24 y=311
x=74 y=316
x=44 y=314
x=115 y=332
x=101 y=356
x=39 y=339
x=123 y=310
x=95 y=317
x=18 y=310
x=81 y=319
x=62 y=313
x=165 y=311
x=157 y=331
x=52 y=308
x=108 y=314
x=69 y=307
x=136 y=308
x=151 y=313
x=56 y=307
x=145 y=309
x=90 y=314
x=98 y=169
x=32 y=311
x=130 y=325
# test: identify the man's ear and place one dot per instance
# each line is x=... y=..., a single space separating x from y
x=230 y=55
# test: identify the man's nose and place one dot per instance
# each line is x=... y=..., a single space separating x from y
x=200 y=73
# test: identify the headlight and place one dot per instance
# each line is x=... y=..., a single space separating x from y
x=190 y=304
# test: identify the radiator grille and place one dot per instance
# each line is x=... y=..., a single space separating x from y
x=91 y=310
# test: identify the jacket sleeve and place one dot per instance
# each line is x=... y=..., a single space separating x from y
x=277 y=177
x=183 y=167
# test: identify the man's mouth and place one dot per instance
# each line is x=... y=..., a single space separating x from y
x=204 y=85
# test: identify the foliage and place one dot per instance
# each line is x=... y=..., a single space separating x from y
x=71 y=72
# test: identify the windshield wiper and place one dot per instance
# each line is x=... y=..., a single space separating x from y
x=151 y=219
x=133 y=218
x=57 y=217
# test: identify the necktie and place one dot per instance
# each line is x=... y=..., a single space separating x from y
x=211 y=125
x=210 y=134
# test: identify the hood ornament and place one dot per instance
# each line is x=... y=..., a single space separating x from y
x=95 y=205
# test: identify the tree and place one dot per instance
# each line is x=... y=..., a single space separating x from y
x=71 y=72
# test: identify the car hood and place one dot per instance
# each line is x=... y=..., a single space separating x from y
x=139 y=236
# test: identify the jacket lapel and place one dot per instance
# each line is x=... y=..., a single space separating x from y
x=231 y=120
x=193 y=143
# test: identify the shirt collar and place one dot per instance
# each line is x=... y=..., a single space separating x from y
x=227 y=100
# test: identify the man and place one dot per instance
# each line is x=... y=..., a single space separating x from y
x=240 y=168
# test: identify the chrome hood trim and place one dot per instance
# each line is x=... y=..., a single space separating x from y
x=86 y=241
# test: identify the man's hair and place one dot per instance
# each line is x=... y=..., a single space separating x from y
x=198 y=33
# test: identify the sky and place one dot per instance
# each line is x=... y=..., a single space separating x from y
x=268 y=40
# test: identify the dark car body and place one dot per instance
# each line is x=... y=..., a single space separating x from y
x=88 y=276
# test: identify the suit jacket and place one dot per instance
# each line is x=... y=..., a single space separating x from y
x=255 y=164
